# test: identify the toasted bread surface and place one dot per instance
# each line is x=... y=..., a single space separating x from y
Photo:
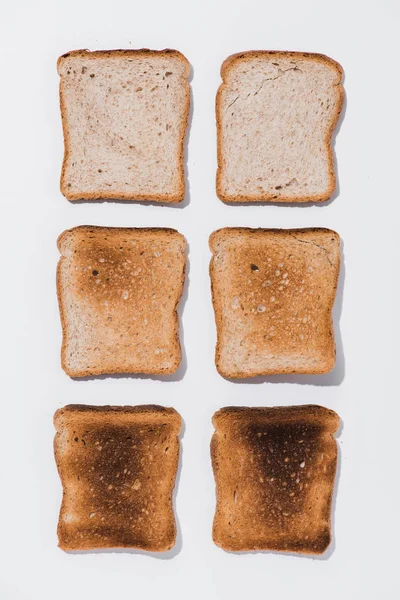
x=118 y=292
x=273 y=291
x=124 y=115
x=117 y=467
x=276 y=113
x=274 y=471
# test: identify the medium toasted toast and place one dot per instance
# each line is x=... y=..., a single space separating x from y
x=274 y=471
x=124 y=115
x=276 y=112
x=273 y=291
x=118 y=292
x=117 y=467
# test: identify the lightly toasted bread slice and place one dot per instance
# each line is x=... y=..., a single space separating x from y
x=274 y=471
x=117 y=466
x=276 y=112
x=273 y=291
x=124 y=115
x=118 y=292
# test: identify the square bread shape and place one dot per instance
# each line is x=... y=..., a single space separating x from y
x=118 y=292
x=273 y=292
x=276 y=112
x=117 y=467
x=124 y=115
x=274 y=471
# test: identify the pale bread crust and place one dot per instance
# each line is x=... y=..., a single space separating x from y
x=272 y=238
x=227 y=65
x=267 y=498
x=93 y=55
x=150 y=369
x=80 y=525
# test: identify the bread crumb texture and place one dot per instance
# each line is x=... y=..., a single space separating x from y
x=117 y=467
x=274 y=470
x=118 y=291
x=273 y=291
x=276 y=112
x=124 y=114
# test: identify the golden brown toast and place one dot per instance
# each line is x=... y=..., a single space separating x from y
x=117 y=467
x=273 y=291
x=274 y=471
x=118 y=291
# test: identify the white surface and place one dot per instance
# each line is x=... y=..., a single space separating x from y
x=363 y=37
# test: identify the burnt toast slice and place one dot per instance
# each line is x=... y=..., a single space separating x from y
x=117 y=467
x=274 y=471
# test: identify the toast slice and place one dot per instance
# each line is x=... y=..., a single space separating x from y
x=273 y=291
x=124 y=115
x=118 y=292
x=276 y=112
x=117 y=467
x=274 y=471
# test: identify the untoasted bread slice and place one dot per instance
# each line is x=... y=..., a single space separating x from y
x=124 y=114
x=117 y=467
x=274 y=471
x=276 y=112
x=118 y=291
x=273 y=291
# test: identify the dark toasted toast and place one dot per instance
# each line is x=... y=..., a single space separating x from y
x=117 y=467
x=274 y=470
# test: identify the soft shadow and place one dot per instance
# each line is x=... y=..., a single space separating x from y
x=180 y=373
x=158 y=555
x=336 y=376
x=336 y=192
x=332 y=546
x=186 y=199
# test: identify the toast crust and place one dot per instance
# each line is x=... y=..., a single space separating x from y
x=227 y=241
x=122 y=195
x=110 y=476
x=249 y=55
x=61 y=289
x=274 y=471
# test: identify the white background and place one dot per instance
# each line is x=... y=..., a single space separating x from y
x=363 y=561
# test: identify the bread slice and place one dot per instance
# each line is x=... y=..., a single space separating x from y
x=276 y=112
x=118 y=292
x=274 y=471
x=117 y=466
x=273 y=291
x=124 y=115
